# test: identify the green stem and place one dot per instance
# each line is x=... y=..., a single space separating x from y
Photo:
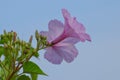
x=11 y=75
x=3 y=67
x=20 y=65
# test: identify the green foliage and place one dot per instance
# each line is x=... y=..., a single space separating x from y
x=34 y=76
x=32 y=68
x=23 y=77
x=17 y=54
x=1 y=50
x=1 y=78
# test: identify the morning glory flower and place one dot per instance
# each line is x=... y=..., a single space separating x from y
x=74 y=28
x=62 y=38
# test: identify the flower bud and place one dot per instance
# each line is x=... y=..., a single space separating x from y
x=37 y=35
x=14 y=36
x=31 y=38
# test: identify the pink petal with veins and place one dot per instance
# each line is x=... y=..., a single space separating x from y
x=63 y=37
x=74 y=28
x=52 y=56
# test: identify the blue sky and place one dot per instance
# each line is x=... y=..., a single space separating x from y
x=97 y=60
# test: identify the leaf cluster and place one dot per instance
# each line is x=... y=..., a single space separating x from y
x=15 y=55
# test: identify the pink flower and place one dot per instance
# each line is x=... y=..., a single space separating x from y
x=73 y=28
x=62 y=38
x=64 y=48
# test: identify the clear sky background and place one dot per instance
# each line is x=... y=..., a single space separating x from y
x=97 y=60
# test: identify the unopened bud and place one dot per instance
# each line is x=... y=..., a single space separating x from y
x=5 y=32
x=37 y=35
x=14 y=36
x=31 y=38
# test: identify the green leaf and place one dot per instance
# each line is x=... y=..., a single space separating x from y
x=36 y=55
x=23 y=77
x=34 y=76
x=1 y=50
x=30 y=67
x=1 y=78
x=2 y=41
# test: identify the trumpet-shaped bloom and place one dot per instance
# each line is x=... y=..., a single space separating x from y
x=74 y=28
x=62 y=38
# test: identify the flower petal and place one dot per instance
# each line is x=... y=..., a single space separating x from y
x=68 y=52
x=72 y=22
x=68 y=40
x=84 y=36
x=66 y=14
x=56 y=28
x=52 y=56
x=73 y=28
